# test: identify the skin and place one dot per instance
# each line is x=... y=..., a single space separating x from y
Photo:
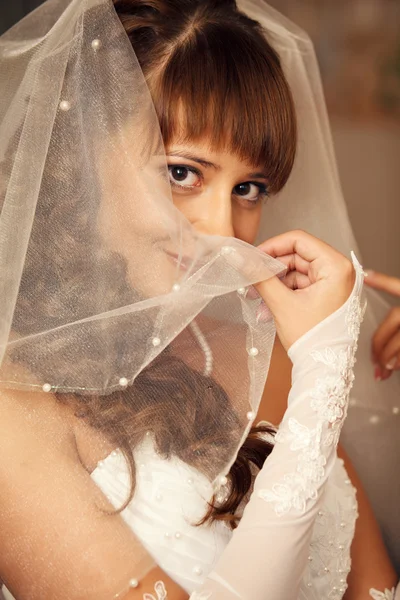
x=385 y=347
x=220 y=195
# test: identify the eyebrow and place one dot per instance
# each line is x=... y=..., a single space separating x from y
x=258 y=175
x=207 y=164
x=200 y=161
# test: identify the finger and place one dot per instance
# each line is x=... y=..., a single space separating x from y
x=388 y=357
x=298 y=242
x=296 y=281
x=294 y=262
x=383 y=282
x=386 y=373
x=386 y=330
x=263 y=313
x=274 y=293
x=252 y=294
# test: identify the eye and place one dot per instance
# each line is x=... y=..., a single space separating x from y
x=183 y=177
x=251 y=192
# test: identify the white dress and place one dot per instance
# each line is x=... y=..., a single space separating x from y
x=169 y=501
x=294 y=538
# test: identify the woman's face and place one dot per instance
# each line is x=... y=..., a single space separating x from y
x=218 y=192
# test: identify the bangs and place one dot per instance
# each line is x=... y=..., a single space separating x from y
x=226 y=86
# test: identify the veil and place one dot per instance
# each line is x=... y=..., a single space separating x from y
x=112 y=305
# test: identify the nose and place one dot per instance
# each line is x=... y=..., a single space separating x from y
x=216 y=216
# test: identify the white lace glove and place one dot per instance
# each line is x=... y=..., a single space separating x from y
x=268 y=552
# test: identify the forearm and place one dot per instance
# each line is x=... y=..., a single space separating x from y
x=371 y=566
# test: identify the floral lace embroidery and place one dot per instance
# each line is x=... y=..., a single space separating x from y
x=355 y=316
x=329 y=400
x=160 y=591
x=386 y=595
x=290 y=494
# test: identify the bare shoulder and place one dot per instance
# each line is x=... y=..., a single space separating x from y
x=32 y=424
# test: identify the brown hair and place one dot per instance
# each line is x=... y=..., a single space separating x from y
x=206 y=55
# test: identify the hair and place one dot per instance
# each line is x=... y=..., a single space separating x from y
x=211 y=72
x=206 y=55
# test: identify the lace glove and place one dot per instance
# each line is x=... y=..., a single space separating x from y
x=268 y=552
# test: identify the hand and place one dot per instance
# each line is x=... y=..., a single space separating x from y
x=386 y=339
x=319 y=280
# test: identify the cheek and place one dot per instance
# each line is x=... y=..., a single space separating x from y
x=246 y=223
x=183 y=206
x=194 y=207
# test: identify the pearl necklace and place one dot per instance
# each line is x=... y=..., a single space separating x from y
x=208 y=367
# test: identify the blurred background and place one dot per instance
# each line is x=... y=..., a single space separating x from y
x=358 y=47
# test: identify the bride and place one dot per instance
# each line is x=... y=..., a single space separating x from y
x=139 y=143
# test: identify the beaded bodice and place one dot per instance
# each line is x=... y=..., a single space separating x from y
x=170 y=498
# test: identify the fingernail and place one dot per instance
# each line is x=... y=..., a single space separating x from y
x=386 y=373
x=391 y=364
x=263 y=313
x=368 y=273
x=377 y=374
x=252 y=293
